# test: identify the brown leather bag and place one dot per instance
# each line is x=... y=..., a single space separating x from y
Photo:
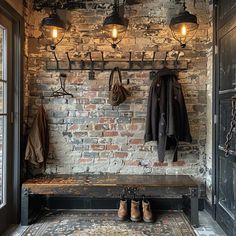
x=117 y=93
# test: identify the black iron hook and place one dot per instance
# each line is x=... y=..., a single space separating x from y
x=103 y=61
x=130 y=60
x=177 y=58
x=69 y=61
x=91 y=72
x=142 y=63
x=165 y=60
x=153 y=59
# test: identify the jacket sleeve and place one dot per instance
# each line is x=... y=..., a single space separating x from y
x=148 y=128
x=152 y=120
x=185 y=134
x=35 y=149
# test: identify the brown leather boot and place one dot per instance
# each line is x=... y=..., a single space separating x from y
x=135 y=211
x=123 y=210
x=147 y=212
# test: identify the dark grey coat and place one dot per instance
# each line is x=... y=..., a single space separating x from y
x=167 y=119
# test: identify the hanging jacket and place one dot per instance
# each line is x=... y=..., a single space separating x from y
x=37 y=144
x=167 y=119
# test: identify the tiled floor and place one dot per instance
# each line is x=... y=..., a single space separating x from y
x=208 y=227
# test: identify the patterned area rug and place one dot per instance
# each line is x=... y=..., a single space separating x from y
x=76 y=223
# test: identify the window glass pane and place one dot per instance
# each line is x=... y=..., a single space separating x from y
x=2 y=94
x=1 y=157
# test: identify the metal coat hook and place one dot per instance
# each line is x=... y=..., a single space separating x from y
x=91 y=72
x=69 y=61
x=130 y=60
x=153 y=74
x=57 y=61
x=177 y=58
x=142 y=64
x=153 y=59
x=90 y=57
x=165 y=63
x=103 y=61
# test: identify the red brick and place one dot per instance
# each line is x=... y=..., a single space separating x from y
x=107 y=120
x=90 y=107
x=132 y=127
x=156 y=164
x=126 y=134
x=73 y=127
x=102 y=159
x=112 y=147
x=84 y=160
x=178 y=163
x=120 y=154
x=132 y=163
x=136 y=141
x=98 y=147
x=110 y=133
x=101 y=126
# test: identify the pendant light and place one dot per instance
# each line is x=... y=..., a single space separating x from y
x=184 y=26
x=115 y=26
x=53 y=29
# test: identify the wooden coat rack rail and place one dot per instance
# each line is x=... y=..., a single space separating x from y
x=107 y=65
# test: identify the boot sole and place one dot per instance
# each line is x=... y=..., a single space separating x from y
x=135 y=219
x=122 y=219
x=148 y=221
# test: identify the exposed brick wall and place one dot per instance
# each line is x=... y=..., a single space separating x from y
x=86 y=134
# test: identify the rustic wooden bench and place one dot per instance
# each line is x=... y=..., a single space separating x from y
x=112 y=186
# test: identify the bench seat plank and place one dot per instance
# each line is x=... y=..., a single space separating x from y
x=114 y=180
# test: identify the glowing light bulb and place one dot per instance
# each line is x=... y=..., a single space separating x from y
x=184 y=30
x=54 y=33
x=114 y=33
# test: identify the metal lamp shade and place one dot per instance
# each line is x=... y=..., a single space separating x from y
x=53 y=29
x=184 y=27
x=117 y=23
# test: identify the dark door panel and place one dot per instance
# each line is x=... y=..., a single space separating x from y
x=225 y=110
x=227 y=57
x=227 y=185
x=225 y=89
x=226 y=9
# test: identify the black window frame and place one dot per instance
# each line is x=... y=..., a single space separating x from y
x=18 y=52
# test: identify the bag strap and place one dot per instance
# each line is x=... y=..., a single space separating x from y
x=111 y=79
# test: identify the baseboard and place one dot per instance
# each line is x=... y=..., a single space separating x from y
x=208 y=207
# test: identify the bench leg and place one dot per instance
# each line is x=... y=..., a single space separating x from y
x=194 y=218
x=24 y=207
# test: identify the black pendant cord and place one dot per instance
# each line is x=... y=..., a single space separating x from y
x=116 y=6
x=184 y=5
